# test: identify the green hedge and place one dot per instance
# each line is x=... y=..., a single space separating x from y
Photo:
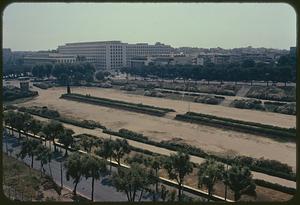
x=270 y=167
x=14 y=93
x=152 y=110
x=251 y=127
x=275 y=186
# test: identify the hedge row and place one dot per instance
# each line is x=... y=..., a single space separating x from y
x=14 y=93
x=274 y=103
x=270 y=167
x=118 y=104
x=250 y=127
x=291 y=130
x=52 y=114
x=275 y=186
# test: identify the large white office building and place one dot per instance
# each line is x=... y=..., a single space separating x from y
x=112 y=54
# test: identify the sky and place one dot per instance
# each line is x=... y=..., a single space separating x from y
x=43 y=26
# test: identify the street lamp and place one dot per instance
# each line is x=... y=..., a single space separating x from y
x=60 y=159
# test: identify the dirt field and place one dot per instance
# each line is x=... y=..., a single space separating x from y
x=164 y=128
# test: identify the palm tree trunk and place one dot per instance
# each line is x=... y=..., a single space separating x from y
x=75 y=187
x=6 y=145
x=236 y=196
x=156 y=185
x=50 y=170
x=141 y=195
x=179 y=192
x=93 y=180
x=41 y=168
x=110 y=165
x=53 y=141
x=31 y=161
x=209 y=194
x=127 y=196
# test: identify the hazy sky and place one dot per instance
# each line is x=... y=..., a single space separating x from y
x=42 y=26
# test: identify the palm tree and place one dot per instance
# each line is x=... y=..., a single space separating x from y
x=74 y=169
x=120 y=148
x=178 y=166
x=95 y=168
x=86 y=142
x=155 y=163
x=209 y=172
x=44 y=155
x=131 y=181
x=239 y=180
x=106 y=150
x=27 y=124
x=66 y=139
x=52 y=130
x=28 y=148
x=46 y=130
x=19 y=120
x=35 y=126
x=8 y=119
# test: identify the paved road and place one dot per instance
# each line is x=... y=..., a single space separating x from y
x=103 y=191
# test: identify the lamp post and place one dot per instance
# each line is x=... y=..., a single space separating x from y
x=61 y=171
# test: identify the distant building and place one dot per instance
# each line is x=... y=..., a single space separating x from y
x=24 y=86
x=293 y=51
x=6 y=55
x=31 y=60
x=113 y=54
x=165 y=60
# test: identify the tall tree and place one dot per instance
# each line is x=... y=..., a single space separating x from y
x=120 y=148
x=44 y=155
x=106 y=150
x=209 y=172
x=178 y=166
x=74 y=169
x=29 y=148
x=66 y=139
x=155 y=163
x=52 y=131
x=239 y=179
x=95 y=168
x=35 y=126
x=131 y=181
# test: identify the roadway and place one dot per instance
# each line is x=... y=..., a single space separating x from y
x=104 y=191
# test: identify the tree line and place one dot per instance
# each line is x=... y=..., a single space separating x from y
x=248 y=70
x=135 y=181
x=65 y=72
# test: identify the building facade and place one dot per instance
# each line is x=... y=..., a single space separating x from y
x=31 y=60
x=112 y=54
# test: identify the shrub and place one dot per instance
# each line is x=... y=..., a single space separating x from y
x=152 y=110
x=14 y=93
x=275 y=186
x=248 y=104
x=273 y=93
x=208 y=100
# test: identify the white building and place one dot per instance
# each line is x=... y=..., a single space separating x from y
x=112 y=54
x=31 y=60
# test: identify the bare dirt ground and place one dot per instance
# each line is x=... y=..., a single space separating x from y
x=160 y=128
x=182 y=107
